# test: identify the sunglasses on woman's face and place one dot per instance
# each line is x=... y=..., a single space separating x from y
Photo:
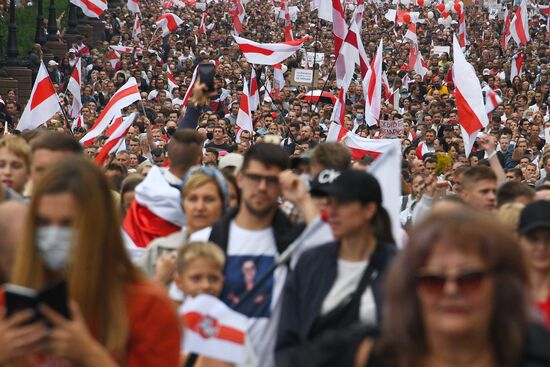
x=467 y=282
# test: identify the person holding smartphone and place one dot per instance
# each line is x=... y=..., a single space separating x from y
x=117 y=316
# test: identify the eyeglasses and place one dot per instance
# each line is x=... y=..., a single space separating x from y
x=467 y=282
x=257 y=179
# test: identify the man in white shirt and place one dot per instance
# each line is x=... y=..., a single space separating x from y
x=253 y=236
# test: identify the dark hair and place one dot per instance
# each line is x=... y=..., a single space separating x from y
x=475 y=174
x=511 y=190
x=465 y=230
x=57 y=142
x=267 y=154
x=184 y=148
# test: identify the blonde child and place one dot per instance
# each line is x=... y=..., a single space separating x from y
x=199 y=270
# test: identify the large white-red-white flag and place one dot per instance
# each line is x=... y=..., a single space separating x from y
x=91 y=8
x=213 y=329
x=244 y=116
x=168 y=22
x=519 y=27
x=155 y=212
x=469 y=98
x=42 y=104
x=133 y=6
x=123 y=97
x=268 y=53
x=254 y=91
x=372 y=88
x=115 y=137
x=73 y=86
x=462 y=28
x=516 y=65
x=411 y=33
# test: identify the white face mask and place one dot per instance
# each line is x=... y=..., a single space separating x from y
x=53 y=243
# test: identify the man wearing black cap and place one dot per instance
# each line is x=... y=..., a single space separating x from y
x=534 y=230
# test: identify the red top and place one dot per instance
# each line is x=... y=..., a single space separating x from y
x=544 y=308
x=155 y=331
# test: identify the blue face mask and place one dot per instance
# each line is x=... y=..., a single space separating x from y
x=359 y=116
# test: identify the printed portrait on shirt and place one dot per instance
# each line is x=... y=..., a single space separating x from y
x=241 y=274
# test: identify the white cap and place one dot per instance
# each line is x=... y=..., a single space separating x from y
x=52 y=63
x=231 y=160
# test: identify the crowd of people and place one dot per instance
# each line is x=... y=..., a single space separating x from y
x=283 y=227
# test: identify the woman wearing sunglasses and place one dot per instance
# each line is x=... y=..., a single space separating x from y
x=338 y=284
x=456 y=297
x=118 y=317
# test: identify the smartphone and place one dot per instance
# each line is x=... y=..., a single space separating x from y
x=206 y=76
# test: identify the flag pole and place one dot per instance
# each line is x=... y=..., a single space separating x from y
x=281 y=118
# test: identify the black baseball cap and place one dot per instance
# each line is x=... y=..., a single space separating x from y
x=324 y=179
x=355 y=185
x=535 y=215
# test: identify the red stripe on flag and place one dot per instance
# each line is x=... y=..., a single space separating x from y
x=193 y=321
x=44 y=90
x=117 y=97
x=466 y=116
x=245 y=47
x=143 y=226
x=92 y=7
x=357 y=153
x=76 y=75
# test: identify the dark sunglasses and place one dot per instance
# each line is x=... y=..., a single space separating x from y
x=257 y=179
x=467 y=282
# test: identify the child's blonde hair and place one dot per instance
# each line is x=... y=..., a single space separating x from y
x=199 y=250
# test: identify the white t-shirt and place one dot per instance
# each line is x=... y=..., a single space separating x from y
x=349 y=274
x=249 y=255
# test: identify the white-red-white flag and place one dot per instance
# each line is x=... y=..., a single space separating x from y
x=113 y=57
x=254 y=91
x=492 y=99
x=115 y=137
x=213 y=329
x=42 y=104
x=416 y=61
x=372 y=88
x=78 y=121
x=91 y=8
x=244 y=116
x=190 y=87
x=73 y=86
x=469 y=98
x=202 y=27
x=237 y=11
x=519 y=27
x=268 y=53
x=462 y=28
x=286 y=17
x=136 y=29
x=123 y=97
x=516 y=65
x=324 y=9
x=278 y=81
x=411 y=33
x=168 y=22
x=155 y=212
x=172 y=82
x=351 y=52
x=506 y=30
x=339 y=27
x=339 y=109
x=133 y=6
x=82 y=49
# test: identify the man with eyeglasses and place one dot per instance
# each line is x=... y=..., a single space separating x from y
x=256 y=233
